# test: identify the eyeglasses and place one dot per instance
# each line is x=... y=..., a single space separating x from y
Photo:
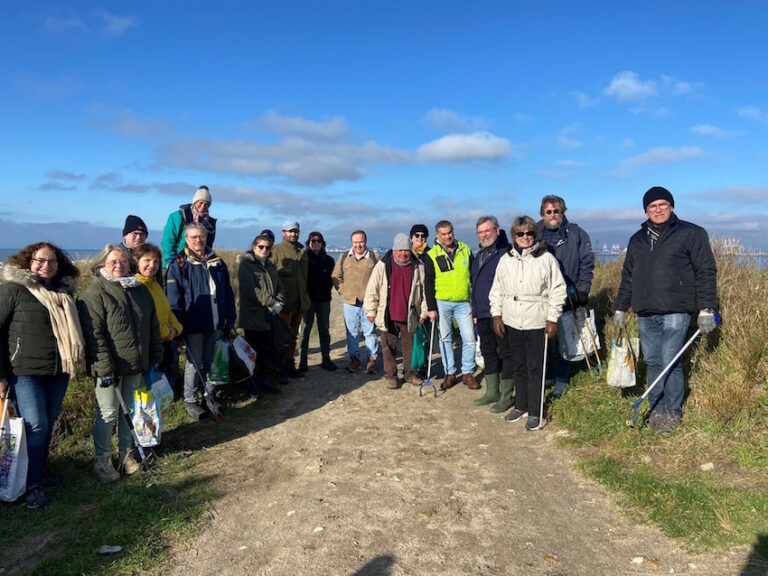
x=41 y=261
x=529 y=233
x=661 y=206
x=263 y=247
x=114 y=263
x=555 y=211
x=419 y=235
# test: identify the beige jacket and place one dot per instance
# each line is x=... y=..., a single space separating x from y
x=528 y=288
x=350 y=275
x=377 y=294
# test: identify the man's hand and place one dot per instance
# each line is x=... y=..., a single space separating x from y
x=550 y=329
x=706 y=321
x=498 y=327
x=432 y=315
x=618 y=318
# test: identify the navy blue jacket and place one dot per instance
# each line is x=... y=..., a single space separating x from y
x=573 y=250
x=678 y=274
x=188 y=286
x=482 y=275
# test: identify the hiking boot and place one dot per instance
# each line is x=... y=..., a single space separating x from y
x=515 y=415
x=195 y=411
x=392 y=383
x=371 y=367
x=491 y=390
x=448 y=382
x=354 y=364
x=35 y=499
x=128 y=462
x=666 y=424
x=507 y=389
x=291 y=372
x=412 y=378
x=532 y=424
x=103 y=468
x=470 y=382
x=328 y=365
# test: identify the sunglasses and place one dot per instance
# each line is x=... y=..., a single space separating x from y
x=555 y=211
x=529 y=233
x=419 y=235
x=315 y=241
x=263 y=247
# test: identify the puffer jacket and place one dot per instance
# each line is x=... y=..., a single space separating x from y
x=260 y=288
x=376 y=302
x=528 y=288
x=120 y=327
x=482 y=273
x=292 y=264
x=25 y=326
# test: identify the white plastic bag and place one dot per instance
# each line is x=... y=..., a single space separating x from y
x=479 y=360
x=574 y=337
x=13 y=457
x=622 y=363
x=246 y=354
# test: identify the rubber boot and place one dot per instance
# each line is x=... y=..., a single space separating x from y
x=104 y=469
x=491 y=390
x=504 y=403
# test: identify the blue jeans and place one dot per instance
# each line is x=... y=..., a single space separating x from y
x=661 y=337
x=462 y=311
x=38 y=401
x=199 y=356
x=354 y=320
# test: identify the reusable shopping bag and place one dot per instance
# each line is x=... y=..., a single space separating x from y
x=246 y=354
x=147 y=420
x=573 y=334
x=622 y=363
x=418 y=356
x=218 y=375
x=13 y=457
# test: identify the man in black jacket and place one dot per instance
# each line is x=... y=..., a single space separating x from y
x=669 y=273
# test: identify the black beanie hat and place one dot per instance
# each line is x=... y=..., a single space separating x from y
x=657 y=193
x=268 y=233
x=134 y=224
x=419 y=228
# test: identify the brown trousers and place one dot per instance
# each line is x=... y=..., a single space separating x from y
x=389 y=349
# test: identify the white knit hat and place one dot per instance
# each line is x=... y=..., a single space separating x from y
x=202 y=194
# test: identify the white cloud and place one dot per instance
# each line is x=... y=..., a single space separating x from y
x=708 y=130
x=733 y=195
x=58 y=24
x=44 y=88
x=54 y=174
x=333 y=129
x=113 y=25
x=663 y=155
x=679 y=87
x=478 y=146
x=446 y=120
x=626 y=86
x=570 y=163
x=567 y=142
x=584 y=100
x=522 y=118
x=124 y=122
x=753 y=113
x=628 y=143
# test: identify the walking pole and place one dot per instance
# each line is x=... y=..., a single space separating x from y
x=592 y=339
x=636 y=405
x=428 y=382
x=213 y=406
x=145 y=461
x=578 y=332
x=543 y=382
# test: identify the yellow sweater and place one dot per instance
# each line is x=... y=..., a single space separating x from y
x=164 y=314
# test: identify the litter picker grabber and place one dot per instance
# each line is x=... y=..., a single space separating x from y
x=210 y=401
x=428 y=382
x=578 y=331
x=543 y=382
x=146 y=460
x=592 y=339
x=639 y=401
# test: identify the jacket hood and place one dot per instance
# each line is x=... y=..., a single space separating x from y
x=15 y=275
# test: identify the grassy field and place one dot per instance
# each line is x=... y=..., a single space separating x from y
x=657 y=478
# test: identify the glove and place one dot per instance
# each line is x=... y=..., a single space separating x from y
x=618 y=318
x=108 y=381
x=582 y=297
x=550 y=329
x=276 y=307
x=706 y=321
x=498 y=327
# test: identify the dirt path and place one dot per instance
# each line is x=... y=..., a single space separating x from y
x=346 y=477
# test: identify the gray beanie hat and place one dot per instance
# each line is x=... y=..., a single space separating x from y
x=202 y=194
x=401 y=242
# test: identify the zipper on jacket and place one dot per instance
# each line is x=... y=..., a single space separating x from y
x=18 y=347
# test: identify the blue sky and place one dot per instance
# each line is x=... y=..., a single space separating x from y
x=378 y=115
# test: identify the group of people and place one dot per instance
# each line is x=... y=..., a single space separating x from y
x=142 y=302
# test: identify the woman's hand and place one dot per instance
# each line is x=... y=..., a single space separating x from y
x=550 y=329
x=3 y=388
x=498 y=327
x=171 y=334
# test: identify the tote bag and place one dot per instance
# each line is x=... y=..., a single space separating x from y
x=13 y=457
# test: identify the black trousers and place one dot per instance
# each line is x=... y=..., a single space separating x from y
x=523 y=352
x=490 y=346
x=259 y=341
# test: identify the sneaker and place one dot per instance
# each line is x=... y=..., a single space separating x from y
x=354 y=365
x=104 y=469
x=532 y=424
x=371 y=367
x=654 y=421
x=667 y=424
x=35 y=499
x=515 y=415
x=195 y=411
x=328 y=365
x=128 y=463
x=255 y=397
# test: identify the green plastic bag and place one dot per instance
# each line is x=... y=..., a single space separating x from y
x=419 y=356
x=219 y=372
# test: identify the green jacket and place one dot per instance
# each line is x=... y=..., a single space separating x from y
x=120 y=327
x=25 y=326
x=260 y=287
x=292 y=265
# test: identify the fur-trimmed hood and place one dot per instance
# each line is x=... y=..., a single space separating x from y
x=10 y=273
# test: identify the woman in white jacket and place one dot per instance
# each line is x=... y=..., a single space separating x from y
x=526 y=300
